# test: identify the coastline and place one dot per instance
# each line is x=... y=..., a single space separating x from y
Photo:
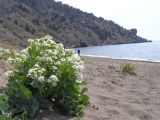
x=118 y=58
x=138 y=51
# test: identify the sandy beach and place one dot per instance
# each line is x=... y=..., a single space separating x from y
x=122 y=97
x=115 y=96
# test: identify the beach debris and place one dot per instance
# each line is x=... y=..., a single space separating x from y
x=95 y=107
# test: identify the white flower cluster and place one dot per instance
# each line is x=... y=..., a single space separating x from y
x=12 y=57
x=46 y=42
x=24 y=51
x=36 y=72
x=8 y=74
x=7 y=114
x=77 y=64
x=53 y=80
x=55 y=55
x=47 y=57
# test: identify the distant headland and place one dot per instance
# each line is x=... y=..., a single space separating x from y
x=24 y=19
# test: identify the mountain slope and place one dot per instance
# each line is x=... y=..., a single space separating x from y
x=23 y=19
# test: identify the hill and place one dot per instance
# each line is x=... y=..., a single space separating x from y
x=23 y=19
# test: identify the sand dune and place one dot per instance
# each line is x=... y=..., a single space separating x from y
x=114 y=96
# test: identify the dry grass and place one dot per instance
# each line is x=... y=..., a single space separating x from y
x=127 y=68
x=7 y=45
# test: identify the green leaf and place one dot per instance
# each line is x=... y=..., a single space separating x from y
x=45 y=104
x=2 y=117
x=84 y=90
x=4 y=105
x=34 y=107
x=85 y=100
x=35 y=84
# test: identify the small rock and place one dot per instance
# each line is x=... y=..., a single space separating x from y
x=95 y=107
x=45 y=118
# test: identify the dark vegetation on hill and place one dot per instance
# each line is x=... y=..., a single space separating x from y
x=23 y=19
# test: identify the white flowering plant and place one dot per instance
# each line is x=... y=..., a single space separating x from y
x=44 y=75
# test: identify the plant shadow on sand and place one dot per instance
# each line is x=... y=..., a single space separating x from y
x=2 y=90
x=56 y=114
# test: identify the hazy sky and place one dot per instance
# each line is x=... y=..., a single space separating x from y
x=141 y=14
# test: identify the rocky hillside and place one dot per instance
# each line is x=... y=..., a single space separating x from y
x=23 y=19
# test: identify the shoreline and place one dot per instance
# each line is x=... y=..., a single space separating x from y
x=128 y=59
x=113 y=44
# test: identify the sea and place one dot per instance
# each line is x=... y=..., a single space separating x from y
x=149 y=51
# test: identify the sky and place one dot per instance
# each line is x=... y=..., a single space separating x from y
x=140 y=14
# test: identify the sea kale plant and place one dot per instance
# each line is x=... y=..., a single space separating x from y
x=44 y=75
